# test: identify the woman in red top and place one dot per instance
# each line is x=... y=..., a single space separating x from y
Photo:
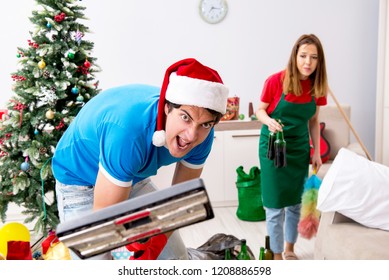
x=294 y=97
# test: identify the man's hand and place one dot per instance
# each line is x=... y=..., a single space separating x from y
x=148 y=250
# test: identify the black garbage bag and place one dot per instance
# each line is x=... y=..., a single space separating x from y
x=214 y=248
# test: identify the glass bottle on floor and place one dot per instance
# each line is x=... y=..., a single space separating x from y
x=243 y=254
x=227 y=254
x=269 y=255
x=262 y=253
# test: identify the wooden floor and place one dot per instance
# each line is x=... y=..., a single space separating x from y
x=226 y=221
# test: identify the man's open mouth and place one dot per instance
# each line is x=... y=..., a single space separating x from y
x=182 y=144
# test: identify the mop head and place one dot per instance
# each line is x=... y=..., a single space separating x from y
x=309 y=217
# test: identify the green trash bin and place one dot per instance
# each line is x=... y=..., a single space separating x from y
x=250 y=206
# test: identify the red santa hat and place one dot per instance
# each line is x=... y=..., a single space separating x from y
x=188 y=82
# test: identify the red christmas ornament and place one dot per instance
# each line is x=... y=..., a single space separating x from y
x=87 y=63
x=33 y=44
x=3 y=154
x=18 y=78
x=20 y=107
x=83 y=69
x=60 y=125
x=60 y=17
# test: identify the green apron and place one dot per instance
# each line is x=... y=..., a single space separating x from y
x=282 y=187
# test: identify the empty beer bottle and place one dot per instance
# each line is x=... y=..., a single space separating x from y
x=280 y=150
x=262 y=253
x=269 y=255
x=270 y=145
x=243 y=254
x=227 y=254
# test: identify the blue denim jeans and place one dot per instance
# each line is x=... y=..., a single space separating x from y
x=74 y=201
x=282 y=222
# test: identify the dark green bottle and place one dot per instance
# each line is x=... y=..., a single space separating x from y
x=270 y=145
x=262 y=253
x=280 y=150
x=269 y=255
x=243 y=254
x=227 y=254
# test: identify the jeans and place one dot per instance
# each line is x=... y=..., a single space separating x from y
x=75 y=201
x=282 y=222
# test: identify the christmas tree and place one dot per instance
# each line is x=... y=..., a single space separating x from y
x=54 y=79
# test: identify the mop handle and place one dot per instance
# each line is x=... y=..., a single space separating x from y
x=349 y=124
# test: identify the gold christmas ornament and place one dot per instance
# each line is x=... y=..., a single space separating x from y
x=41 y=64
x=50 y=114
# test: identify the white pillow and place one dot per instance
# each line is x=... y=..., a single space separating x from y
x=357 y=188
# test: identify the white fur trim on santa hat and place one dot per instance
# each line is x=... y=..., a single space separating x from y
x=184 y=90
x=159 y=138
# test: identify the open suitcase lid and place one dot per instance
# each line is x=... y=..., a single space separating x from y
x=137 y=218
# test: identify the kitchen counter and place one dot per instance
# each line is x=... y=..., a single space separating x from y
x=238 y=125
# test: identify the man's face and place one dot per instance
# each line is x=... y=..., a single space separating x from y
x=186 y=127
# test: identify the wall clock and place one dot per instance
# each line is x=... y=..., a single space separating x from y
x=213 y=11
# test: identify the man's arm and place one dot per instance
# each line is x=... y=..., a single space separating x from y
x=183 y=173
x=107 y=193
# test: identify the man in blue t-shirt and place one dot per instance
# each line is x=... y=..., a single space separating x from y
x=125 y=134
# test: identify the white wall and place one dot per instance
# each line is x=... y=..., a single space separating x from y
x=136 y=40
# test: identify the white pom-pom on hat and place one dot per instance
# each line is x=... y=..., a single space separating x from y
x=159 y=138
